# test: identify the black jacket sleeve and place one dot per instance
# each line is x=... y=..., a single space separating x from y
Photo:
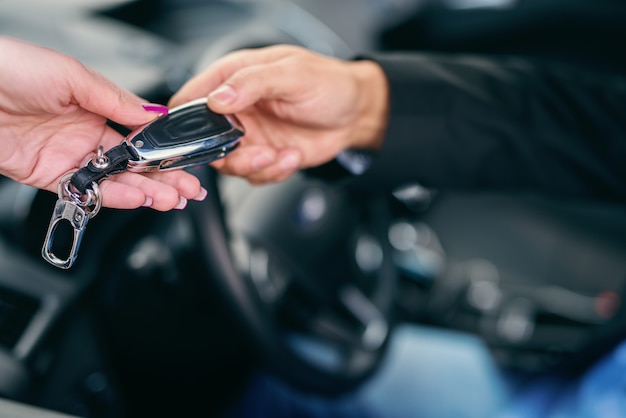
x=501 y=123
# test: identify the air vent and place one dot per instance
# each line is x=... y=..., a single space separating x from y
x=16 y=312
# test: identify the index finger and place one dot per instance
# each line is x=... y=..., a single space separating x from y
x=204 y=83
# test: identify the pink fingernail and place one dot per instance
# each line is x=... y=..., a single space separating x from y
x=202 y=195
x=148 y=202
x=290 y=162
x=181 y=203
x=156 y=108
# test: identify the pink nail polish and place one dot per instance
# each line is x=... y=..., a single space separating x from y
x=290 y=162
x=156 y=108
x=202 y=195
x=182 y=202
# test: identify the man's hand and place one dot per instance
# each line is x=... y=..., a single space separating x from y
x=299 y=109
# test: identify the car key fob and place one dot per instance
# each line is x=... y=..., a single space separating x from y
x=189 y=135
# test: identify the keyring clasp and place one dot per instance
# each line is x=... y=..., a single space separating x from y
x=76 y=209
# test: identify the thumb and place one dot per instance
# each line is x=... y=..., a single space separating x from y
x=99 y=95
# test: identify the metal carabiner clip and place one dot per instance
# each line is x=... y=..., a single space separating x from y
x=71 y=208
x=77 y=217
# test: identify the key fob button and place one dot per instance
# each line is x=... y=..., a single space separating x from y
x=187 y=125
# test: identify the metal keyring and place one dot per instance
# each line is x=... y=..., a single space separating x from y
x=91 y=201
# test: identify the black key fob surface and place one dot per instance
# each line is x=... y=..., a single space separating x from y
x=189 y=135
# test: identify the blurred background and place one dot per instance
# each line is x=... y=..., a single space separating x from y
x=539 y=278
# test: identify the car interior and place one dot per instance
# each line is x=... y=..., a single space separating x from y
x=167 y=314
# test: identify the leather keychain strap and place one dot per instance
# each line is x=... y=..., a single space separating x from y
x=101 y=166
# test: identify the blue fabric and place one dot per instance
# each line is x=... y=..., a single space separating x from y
x=268 y=397
x=600 y=393
x=431 y=373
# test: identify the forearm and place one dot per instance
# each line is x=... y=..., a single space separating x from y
x=478 y=123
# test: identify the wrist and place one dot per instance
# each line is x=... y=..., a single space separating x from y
x=372 y=105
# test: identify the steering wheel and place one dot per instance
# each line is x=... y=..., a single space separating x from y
x=305 y=267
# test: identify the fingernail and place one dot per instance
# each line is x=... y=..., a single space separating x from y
x=148 y=202
x=181 y=203
x=224 y=94
x=290 y=162
x=156 y=108
x=261 y=161
x=202 y=195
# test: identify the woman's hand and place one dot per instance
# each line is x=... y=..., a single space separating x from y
x=299 y=109
x=53 y=117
